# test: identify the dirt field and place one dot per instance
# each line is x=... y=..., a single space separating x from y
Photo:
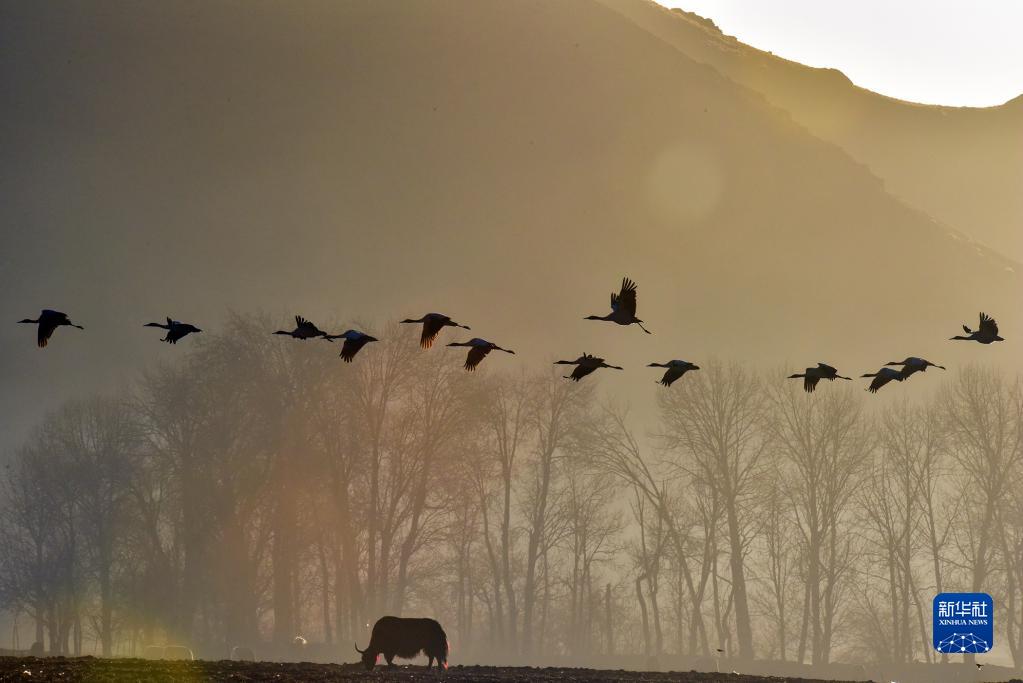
x=93 y=669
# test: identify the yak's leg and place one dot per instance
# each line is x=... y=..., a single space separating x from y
x=389 y=656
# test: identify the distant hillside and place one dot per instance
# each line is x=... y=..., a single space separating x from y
x=963 y=166
x=504 y=162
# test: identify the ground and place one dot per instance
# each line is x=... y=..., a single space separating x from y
x=144 y=671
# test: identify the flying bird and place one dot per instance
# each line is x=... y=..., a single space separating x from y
x=584 y=365
x=304 y=329
x=813 y=375
x=623 y=307
x=676 y=368
x=48 y=321
x=354 y=341
x=882 y=377
x=175 y=330
x=985 y=334
x=913 y=365
x=478 y=350
x=433 y=323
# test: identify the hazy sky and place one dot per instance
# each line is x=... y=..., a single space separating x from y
x=933 y=51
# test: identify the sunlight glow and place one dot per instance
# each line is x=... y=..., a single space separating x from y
x=928 y=51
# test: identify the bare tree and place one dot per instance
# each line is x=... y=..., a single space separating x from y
x=712 y=424
x=823 y=444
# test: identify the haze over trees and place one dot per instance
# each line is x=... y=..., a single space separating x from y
x=254 y=489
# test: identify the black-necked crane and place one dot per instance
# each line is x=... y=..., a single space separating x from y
x=623 y=307
x=354 y=341
x=478 y=350
x=48 y=321
x=811 y=376
x=584 y=365
x=175 y=330
x=882 y=377
x=676 y=368
x=985 y=334
x=433 y=323
x=913 y=365
x=304 y=329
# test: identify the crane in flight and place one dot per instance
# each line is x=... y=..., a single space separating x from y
x=48 y=321
x=304 y=329
x=986 y=333
x=478 y=350
x=883 y=377
x=675 y=370
x=433 y=323
x=811 y=376
x=623 y=307
x=175 y=330
x=584 y=365
x=354 y=341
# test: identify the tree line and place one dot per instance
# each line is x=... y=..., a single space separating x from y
x=255 y=490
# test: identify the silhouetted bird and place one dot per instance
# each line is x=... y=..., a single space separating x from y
x=813 y=375
x=433 y=323
x=354 y=340
x=623 y=307
x=175 y=330
x=985 y=334
x=676 y=368
x=478 y=350
x=304 y=329
x=584 y=365
x=882 y=377
x=913 y=364
x=48 y=321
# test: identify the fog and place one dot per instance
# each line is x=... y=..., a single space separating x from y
x=506 y=164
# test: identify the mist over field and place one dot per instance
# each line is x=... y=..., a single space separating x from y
x=507 y=164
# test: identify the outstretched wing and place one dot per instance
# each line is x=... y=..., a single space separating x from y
x=878 y=382
x=673 y=374
x=827 y=369
x=988 y=325
x=581 y=371
x=44 y=332
x=350 y=348
x=810 y=382
x=625 y=299
x=476 y=354
x=431 y=328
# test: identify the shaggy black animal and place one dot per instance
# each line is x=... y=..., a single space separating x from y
x=400 y=637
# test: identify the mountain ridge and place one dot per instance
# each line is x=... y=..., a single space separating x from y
x=908 y=144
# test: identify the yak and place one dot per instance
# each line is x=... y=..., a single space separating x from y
x=400 y=637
